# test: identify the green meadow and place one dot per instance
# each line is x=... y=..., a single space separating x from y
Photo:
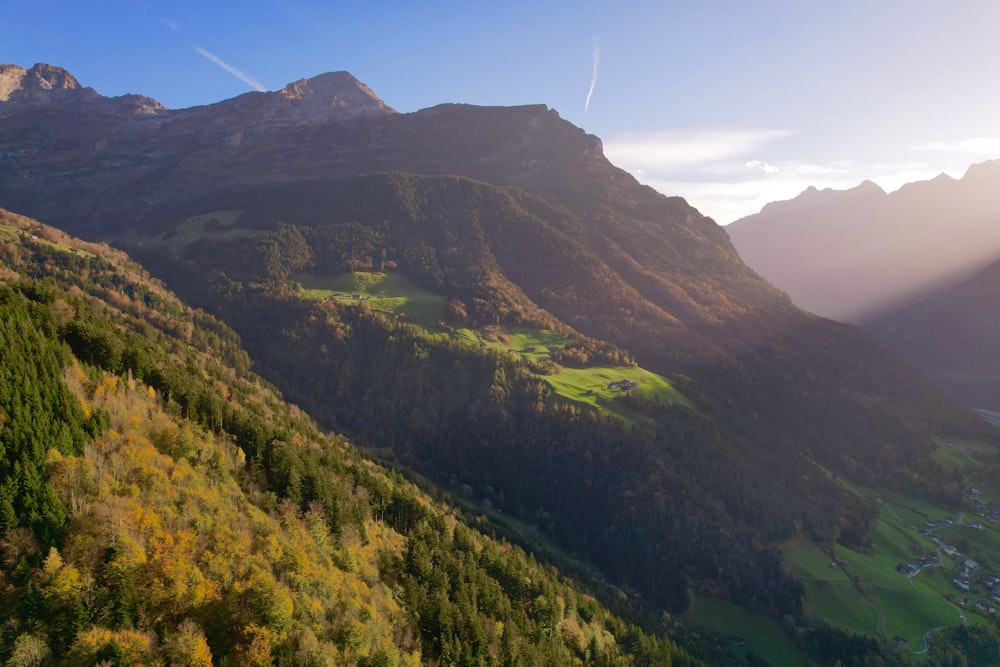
x=867 y=595
x=830 y=593
x=585 y=387
x=213 y=226
x=391 y=292
x=588 y=387
x=761 y=635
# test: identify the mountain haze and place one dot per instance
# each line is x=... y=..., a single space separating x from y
x=856 y=254
x=954 y=337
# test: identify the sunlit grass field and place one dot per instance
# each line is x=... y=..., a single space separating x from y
x=586 y=387
x=869 y=587
x=392 y=292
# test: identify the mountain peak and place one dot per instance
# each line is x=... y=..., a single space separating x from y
x=988 y=169
x=48 y=86
x=41 y=77
x=334 y=96
x=333 y=91
x=868 y=187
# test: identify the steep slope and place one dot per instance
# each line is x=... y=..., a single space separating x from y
x=470 y=419
x=953 y=337
x=168 y=508
x=537 y=228
x=856 y=254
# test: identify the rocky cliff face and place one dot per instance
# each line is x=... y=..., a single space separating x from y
x=327 y=98
x=99 y=161
x=48 y=87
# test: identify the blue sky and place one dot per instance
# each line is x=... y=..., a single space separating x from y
x=729 y=104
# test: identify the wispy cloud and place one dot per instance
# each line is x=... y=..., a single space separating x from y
x=171 y=25
x=673 y=150
x=974 y=146
x=593 y=77
x=730 y=197
x=719 y=172
x=242 y=76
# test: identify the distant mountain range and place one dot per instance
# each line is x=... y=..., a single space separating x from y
x=858 y=254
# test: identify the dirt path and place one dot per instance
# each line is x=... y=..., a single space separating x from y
x=927 y=635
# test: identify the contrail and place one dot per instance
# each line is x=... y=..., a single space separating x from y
x=245 y=78
x=593 y=77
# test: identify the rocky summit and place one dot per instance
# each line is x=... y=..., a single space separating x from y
x=48 y=87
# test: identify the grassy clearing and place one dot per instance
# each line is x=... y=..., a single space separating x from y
x=912 y=511
x=907 y=607
x=16 y=231
x=213 y=226
x=392 y=292
x=952 y=459
x=761 y=634
x=588 y=387
x=829 y=592
x=530 y=344
x=585 y=387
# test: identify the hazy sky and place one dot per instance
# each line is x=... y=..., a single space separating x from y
x=729 y=104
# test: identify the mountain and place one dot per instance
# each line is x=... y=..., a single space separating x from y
x=456 y=289
x=44 y=87
x=952 y=337
x=856 y=254
x=161 y=504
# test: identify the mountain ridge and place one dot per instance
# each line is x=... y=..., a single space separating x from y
x=859 y=253
x=46 y=86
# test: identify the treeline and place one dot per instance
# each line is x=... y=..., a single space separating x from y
x=38 y=414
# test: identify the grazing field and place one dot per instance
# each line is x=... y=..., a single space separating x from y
x=760 y=634
x=830 y=593
x=392 y=292
x=590 y=386
x=586 y=387
x=867 y=594
x=907 y=607
x=213 y=226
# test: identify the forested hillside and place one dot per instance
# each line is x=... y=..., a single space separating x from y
x=504 y=224
x=708 y=490
x=161 y=505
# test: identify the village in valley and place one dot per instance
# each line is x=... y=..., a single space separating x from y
x=976 y=584
x=932 y=563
